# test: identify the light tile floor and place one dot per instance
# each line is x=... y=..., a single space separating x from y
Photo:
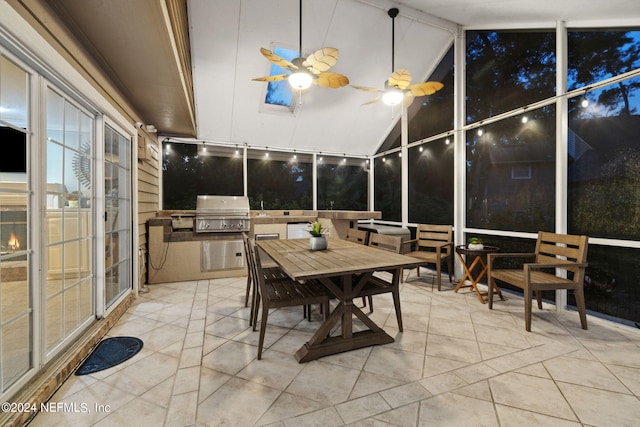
x=456 y=364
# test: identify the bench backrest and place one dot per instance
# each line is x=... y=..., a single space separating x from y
x=552 y=248
x=430 y=236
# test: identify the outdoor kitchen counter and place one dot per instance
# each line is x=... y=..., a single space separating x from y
x=340 y=221
x=176 y=255
x=337 y=222
x=349 y=215
x=280 y=219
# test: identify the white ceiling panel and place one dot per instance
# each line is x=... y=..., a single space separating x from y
x=226 y=57
x=227 y=36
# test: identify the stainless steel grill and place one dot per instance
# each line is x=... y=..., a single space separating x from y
x=215 y=214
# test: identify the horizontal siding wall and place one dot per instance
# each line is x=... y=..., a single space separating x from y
x=148 y=193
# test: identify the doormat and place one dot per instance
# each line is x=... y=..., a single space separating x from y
x=110 y=352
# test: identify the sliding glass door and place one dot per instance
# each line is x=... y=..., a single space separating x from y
x=69 y=226
x=117 y=191
x=16 y=253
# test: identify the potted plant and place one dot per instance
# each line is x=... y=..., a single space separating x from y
x=475 y=244
x=318 y=240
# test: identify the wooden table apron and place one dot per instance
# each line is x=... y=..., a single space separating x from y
x=342 y=260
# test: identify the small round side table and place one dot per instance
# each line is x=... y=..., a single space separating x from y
x=477 y=256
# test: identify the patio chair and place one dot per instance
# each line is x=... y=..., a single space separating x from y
x=268 y=266
x=275 y=292
x=559 y=262
x=433 y=245
x=377 y=285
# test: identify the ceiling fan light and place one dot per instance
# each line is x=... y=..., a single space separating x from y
x=392 y=97
x=300 y=80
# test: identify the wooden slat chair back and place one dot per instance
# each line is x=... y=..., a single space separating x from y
x=358 y=236
x=559 y=262
x=276 y=290
x=386 y=242
x=269 y=267
x=377 y=285
x=434 y=245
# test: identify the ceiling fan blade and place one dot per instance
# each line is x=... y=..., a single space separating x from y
x=322 y=59
x=276 y=59
x=400 y=78
x=271 y=78
x=408 y=99
x=372 y=101
x=426 y=88
x=332 y=80
x=367 y=89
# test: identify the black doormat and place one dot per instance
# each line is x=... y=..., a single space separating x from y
x=110 y=352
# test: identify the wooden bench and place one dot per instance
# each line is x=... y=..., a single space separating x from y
x=559 y=262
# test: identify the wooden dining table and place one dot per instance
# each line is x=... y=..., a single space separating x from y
x=344 y=268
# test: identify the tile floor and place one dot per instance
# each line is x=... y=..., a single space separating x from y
x=456 y=364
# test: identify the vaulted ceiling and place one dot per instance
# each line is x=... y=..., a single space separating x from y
x=131 y=39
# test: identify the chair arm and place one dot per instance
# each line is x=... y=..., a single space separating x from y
x=444 y=245
x=404 y=249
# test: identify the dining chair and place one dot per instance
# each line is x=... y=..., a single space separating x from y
x=357 y=236
x=377 y=285
x=559 y=262
x=269 y=266
x=274 y=291
x=433 y=245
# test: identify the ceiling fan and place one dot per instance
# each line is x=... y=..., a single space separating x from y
x=309 y=70
x=398 y=88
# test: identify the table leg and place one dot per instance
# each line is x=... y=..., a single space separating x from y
x=476 y=280
x=321 y=344
x=467 y=274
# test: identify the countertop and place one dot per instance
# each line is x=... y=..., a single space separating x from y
x=349 y=215
x=279 y=219
x=308 y=216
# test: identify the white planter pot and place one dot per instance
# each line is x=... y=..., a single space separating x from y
x=475 y=246
x=318 y=243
